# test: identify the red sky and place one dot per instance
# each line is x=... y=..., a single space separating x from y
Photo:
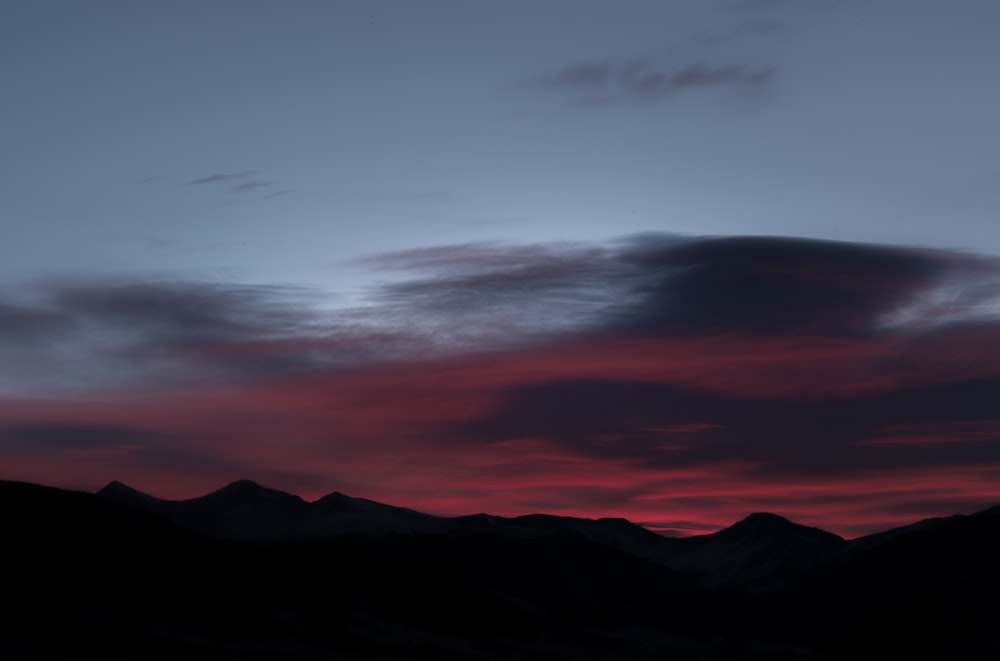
x=682 y=384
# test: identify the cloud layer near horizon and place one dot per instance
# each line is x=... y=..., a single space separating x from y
x=680 y=382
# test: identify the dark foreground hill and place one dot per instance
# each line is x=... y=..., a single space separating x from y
x=253 y=573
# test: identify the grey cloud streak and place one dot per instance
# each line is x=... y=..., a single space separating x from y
x=495 y=297
x=648 y=79
x=705 y=60
x=220 y=178
x=236 y=183
x=499 y=295
x=685 y=286
x=39 y=435
x=100 y=334
x=663 y=424
x=250 y=186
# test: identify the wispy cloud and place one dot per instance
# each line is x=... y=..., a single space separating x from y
x=702 y=61
x=648 y=79
x=250 y=186
x=101 y=335
x=500 y=295
x=82 y=436
x=221 y=178
x=237 y=184
x=22 y=324
x=742 y=31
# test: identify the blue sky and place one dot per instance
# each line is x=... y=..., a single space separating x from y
x=352 y=128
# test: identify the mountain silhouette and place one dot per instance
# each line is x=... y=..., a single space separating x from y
x=763 y=550
x=248 y=512
x=248 y=572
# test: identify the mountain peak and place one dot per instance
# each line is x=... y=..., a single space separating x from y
x=123 y=493
x=766 y=520
x=114 y=486
x=244 y=486
x=766 y=524
x=336 y=497
x=245 y=492
x=250 y=488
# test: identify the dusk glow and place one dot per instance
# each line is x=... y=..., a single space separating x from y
x=672 y=262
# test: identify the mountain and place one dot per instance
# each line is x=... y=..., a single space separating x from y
x=337 y=514
x=763 y=550
x=620 y=534
x=927 y=590
x=248 y=572
x=97 y=578
x=248 y=512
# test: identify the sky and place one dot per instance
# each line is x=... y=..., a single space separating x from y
x=673 y=261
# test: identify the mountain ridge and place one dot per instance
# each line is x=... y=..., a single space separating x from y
x=763 y=551
x=755 y=522
x=118 y=576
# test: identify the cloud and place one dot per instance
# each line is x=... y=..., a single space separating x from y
x=698 y=75
x=220 y=178
x=102 y=334
x=778 y=285
x=479 y=258
x=22 y=325
x=243 y=187
x=98 y=452
x=669 y=285
x=742 y=31
x=236 y=184
x=768 y=360
x=492 y=297
x=648 y=79
x=180 y=313
x=705 y=60
x=827 y=368
x=664 y=424
x=78 y=436
x=250 y=186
